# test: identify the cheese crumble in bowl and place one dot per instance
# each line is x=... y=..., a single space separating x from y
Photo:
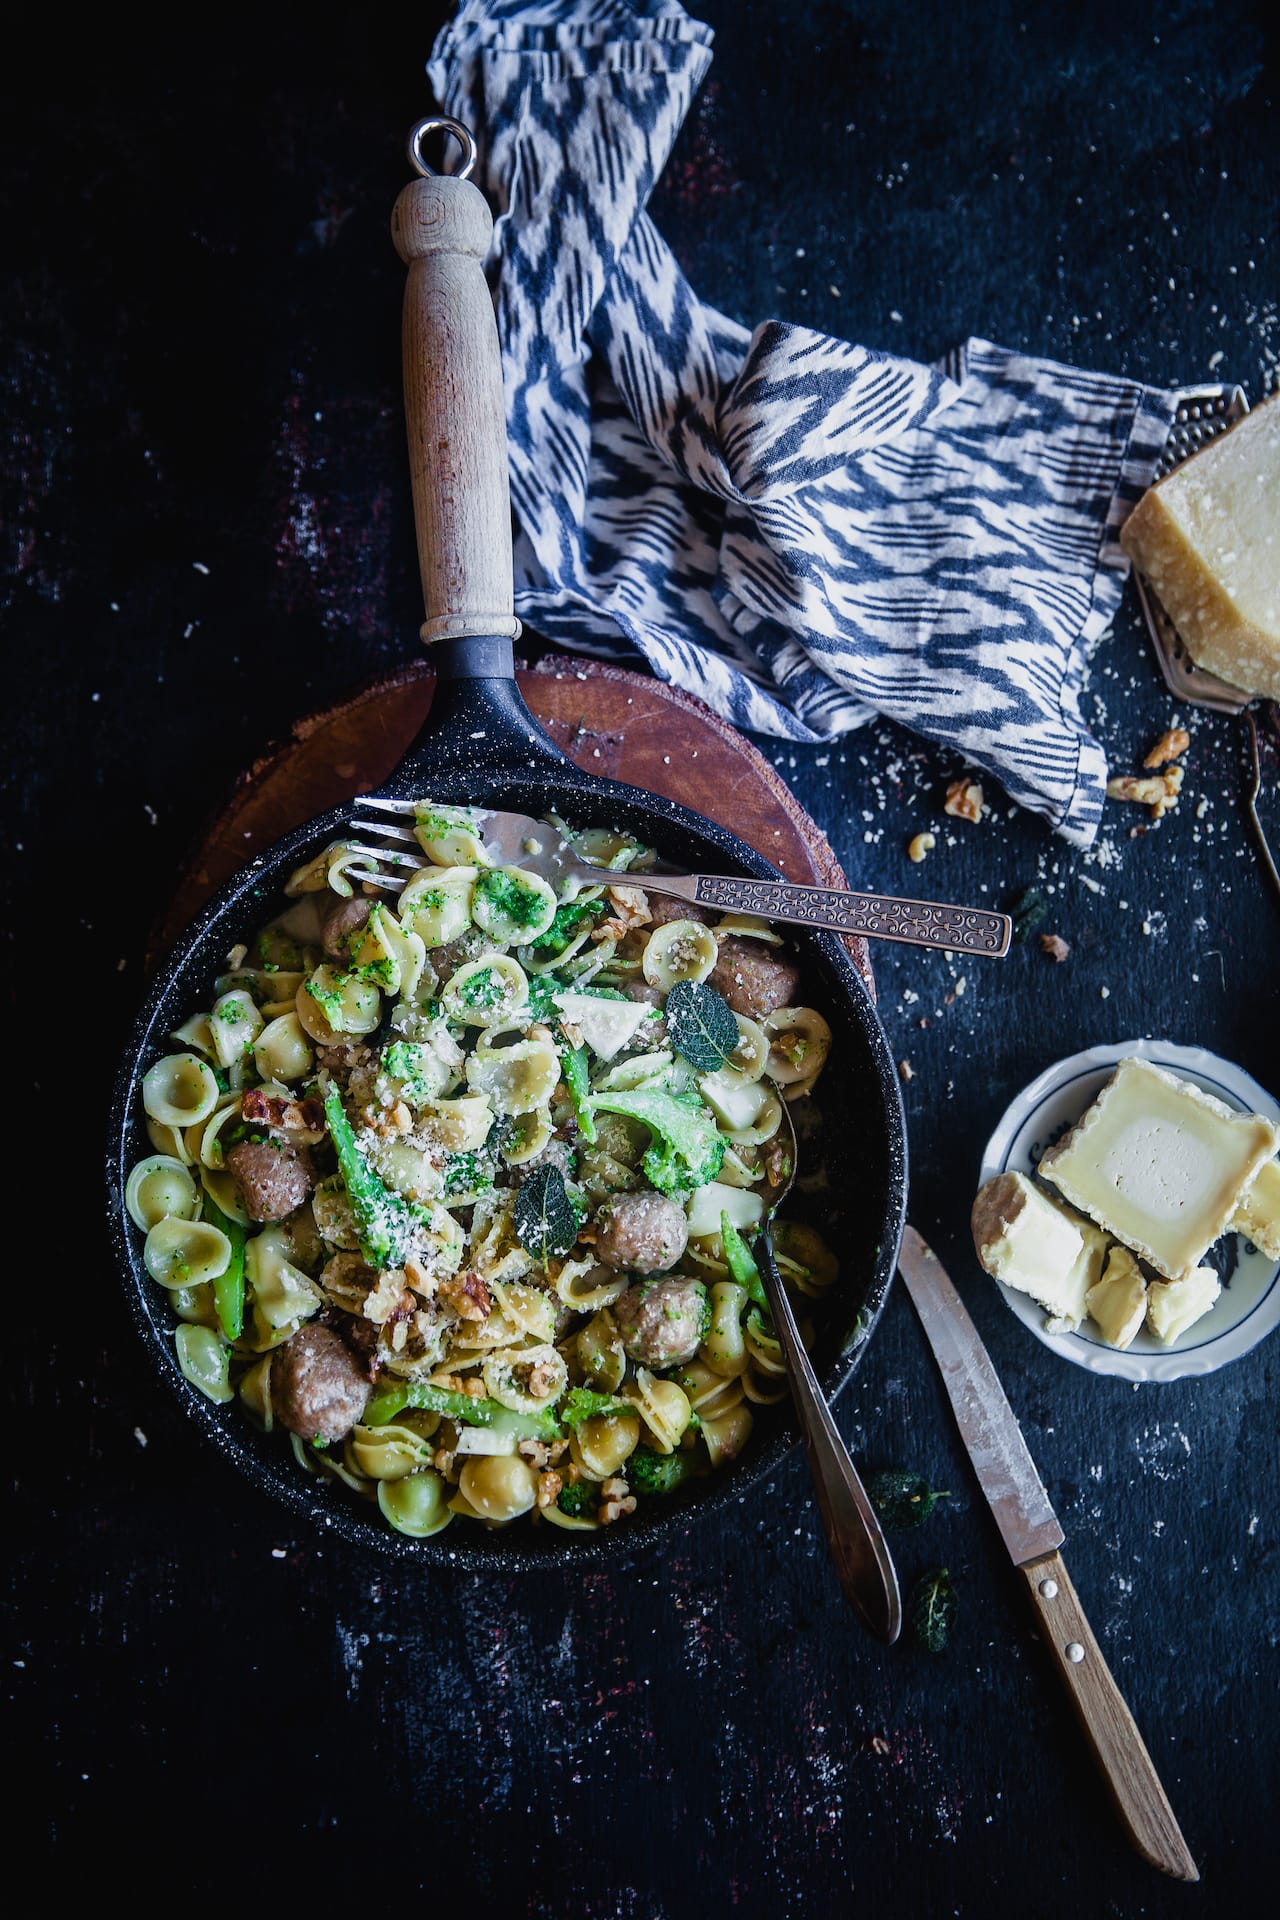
x=452 y=1195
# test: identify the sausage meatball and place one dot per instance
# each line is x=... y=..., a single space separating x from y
x=344 y=918
x=662 y=1321
x=752 y=978
x=271 y=1178
x=641 y=1230
x=318 y=1388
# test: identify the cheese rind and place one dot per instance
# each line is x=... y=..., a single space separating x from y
x=1026 y=1240
x=1175 y=1305
x=1258 y=1215
x=1208 y=539
x=1118 y=1303
x=1160 y=1165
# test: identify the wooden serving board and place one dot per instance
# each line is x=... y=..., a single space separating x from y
x=622 y=725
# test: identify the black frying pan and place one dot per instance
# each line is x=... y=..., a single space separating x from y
x=481 y=746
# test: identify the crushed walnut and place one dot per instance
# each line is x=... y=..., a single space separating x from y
x=389 y=1300
x=467 y=1295
x=1054 y=946
x=547 y=1486
x=918 y=847
x=1168 y=747
x=1159 y=791
x=905 y=1070
x=616 y=1501
x=964 y=800
x=630 y=909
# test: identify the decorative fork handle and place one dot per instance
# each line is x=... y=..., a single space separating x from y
x=918 y=923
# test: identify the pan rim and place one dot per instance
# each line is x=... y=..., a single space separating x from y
x=494 y=1550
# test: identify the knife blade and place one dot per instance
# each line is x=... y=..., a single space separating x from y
x=1014 y=1491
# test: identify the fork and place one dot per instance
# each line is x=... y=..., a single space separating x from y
x=518 y=840
x=857 y=1546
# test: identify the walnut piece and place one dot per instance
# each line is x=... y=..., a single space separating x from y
x=905 y=1070
x=547 y=1487
x=920 y=846
x=1168 y=747
x=615 y=1502
x=1054 y=946
x=467 y=1294
x=1159 y=791
x=964 y=800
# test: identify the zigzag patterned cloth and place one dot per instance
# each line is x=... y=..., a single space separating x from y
x=803 y=532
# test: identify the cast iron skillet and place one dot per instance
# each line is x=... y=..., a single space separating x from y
x=481 y=746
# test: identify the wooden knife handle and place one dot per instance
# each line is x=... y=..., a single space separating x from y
x=1109 y=1727
x=454 y=410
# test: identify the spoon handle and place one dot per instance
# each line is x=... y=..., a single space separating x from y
x=858 y=1548
x=918 y=923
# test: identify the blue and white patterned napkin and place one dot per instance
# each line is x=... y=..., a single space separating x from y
x=804 y=532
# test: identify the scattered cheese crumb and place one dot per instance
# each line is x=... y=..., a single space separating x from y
x=920 y=846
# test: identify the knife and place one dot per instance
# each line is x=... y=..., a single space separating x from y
x=1029 y=1528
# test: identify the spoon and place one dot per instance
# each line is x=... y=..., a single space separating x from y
x=857 y=1546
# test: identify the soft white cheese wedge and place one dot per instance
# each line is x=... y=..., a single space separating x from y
x=1023 y=1239
x=1258 y=1215
x=1175 y=1305
x=1118 y=1303
x=607 y=1026
x=1088 y=1267
x=1160 y=1165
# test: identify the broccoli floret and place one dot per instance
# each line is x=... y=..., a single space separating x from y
x=467 y=1173
x=578 y=1500
x=649 y=1472
x=685 y=1150
x=517 y=902
x=566 y=923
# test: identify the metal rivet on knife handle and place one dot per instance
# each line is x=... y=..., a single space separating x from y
x=1074 y=1651
x=1049 y=1588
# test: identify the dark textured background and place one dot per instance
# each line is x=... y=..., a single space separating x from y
x=208 y=528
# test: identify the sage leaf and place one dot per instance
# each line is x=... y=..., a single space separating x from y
x=931 y=1609
x=546 y=1220
x=701 y=1025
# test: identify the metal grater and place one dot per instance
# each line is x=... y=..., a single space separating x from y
x=1203 y=413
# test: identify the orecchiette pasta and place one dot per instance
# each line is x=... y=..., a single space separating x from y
x=435 y=1188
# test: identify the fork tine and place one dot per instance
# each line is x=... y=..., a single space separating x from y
x=404 y=834
x=403 y=863
x=383 y=806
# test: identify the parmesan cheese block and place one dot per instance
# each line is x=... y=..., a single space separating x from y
x=1118 y=1303
x=1175 y=1305
x=1160 y=1165
x=1207 y=537
x=1030 y=1244
x=1258 y=1215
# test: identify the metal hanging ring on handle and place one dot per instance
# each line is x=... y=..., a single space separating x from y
x=456 y=131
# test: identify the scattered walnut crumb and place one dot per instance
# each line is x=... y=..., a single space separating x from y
x=616 y=1501
x=905 y=1070
x=1054 y=946
x=534 y=1451
x=879 y=1744
x=921 y=845
x=442 y=1461
x=1159 y=791
x=418 y=1277
x=1168 y=747
x=473 y=1387
x=964 y=800
x=547 y=1487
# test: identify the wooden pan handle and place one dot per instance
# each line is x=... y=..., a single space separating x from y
x=1109 y=1727
x=454 y=410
